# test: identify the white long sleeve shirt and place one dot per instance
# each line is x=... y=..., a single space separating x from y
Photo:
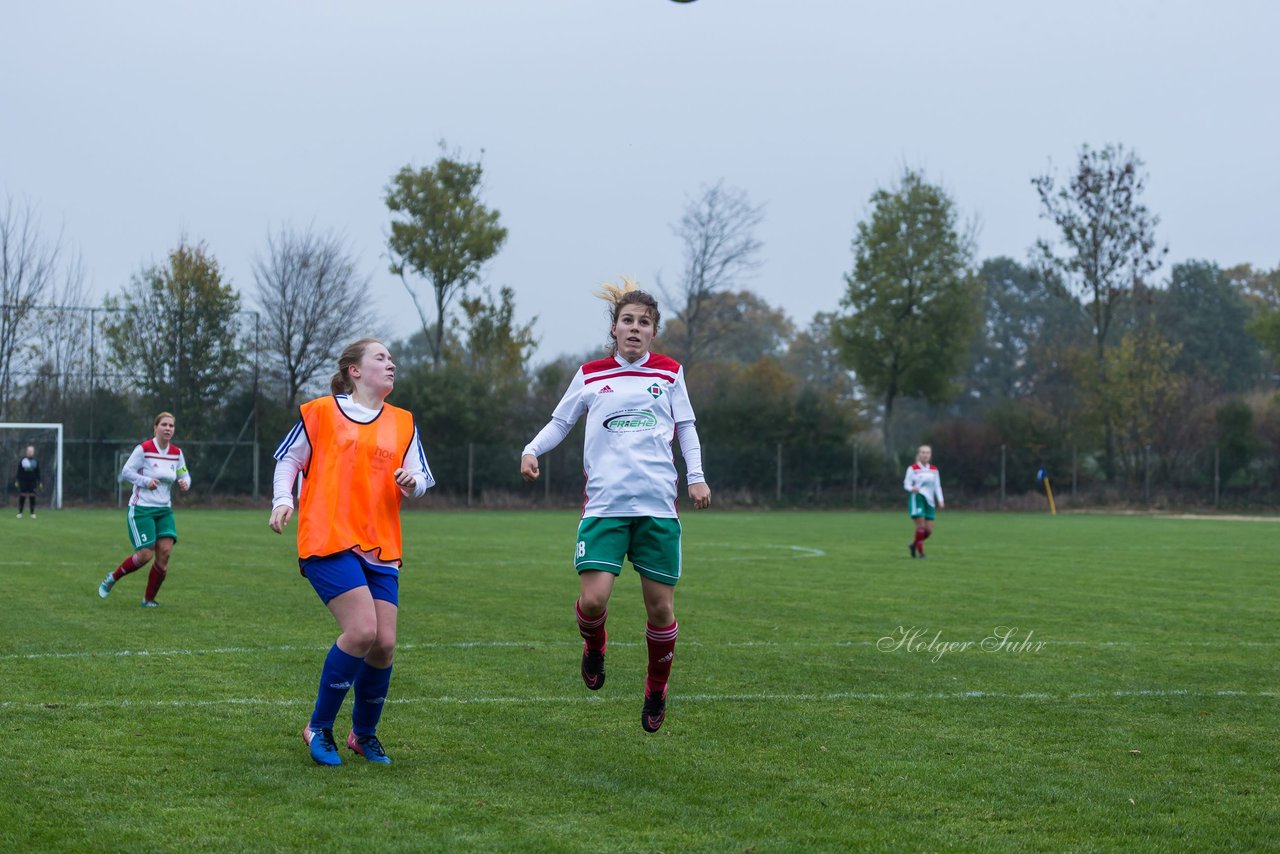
x=926 y=481
x=634 y=410
x=148 y=462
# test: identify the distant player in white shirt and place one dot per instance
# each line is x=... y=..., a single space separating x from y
x=635 y=402
x=153 y=468
x=924 y=485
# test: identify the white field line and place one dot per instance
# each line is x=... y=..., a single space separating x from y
x=40 y=563
x=760 y=697
x=551 y=644
x=797 y=553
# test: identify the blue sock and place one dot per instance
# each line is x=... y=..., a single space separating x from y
x=335 y=680
x=371 y=691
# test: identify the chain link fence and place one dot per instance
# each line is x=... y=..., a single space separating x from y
x=474 y=475
x=856 y=476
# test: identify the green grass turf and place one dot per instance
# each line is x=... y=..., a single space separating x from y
x=1146 y=720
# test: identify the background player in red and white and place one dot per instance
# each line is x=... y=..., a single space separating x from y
x=925 y=487
x=636 y=402
x=153 y=468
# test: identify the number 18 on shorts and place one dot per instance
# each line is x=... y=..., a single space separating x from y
x=653 y=545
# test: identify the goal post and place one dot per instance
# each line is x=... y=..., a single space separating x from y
x=21 y=434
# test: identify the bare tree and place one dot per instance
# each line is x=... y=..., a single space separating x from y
x=1109 y=247
x=720 y=248
x=28 y=267
x=1108 y=250
x=58 y=364
x=313 y=302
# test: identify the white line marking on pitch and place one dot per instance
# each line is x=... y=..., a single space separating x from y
x=801 y=552
x=679 y=698
x=552 y=644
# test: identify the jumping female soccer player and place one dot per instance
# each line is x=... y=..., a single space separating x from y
x=635 y=402
x=153 y=468
x=360 y=457
x=925 y=487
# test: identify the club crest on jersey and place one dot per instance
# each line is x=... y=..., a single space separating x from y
x=655 y=390
x=630 y=421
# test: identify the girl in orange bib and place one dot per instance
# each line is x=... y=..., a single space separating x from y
x=359 y=458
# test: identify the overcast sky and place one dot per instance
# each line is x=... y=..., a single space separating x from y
x=128 y=124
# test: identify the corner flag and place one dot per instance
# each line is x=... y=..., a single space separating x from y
x=1042 y=476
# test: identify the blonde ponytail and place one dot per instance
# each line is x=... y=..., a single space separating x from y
x=627 y=293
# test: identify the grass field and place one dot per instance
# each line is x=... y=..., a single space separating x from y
x=829 y=693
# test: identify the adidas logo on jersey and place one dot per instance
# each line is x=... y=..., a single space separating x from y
x=605 y=390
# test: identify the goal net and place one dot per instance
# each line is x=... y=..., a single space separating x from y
x=15 y=438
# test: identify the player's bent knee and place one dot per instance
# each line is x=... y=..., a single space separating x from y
x=592 y=605
x=381 y=653
x=358 y=640
x=661 y=616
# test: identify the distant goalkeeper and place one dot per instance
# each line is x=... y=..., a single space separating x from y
x=27 y=480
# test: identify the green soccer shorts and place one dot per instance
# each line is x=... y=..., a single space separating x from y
x=652 y=544
x=920 y=507
x=148 y=524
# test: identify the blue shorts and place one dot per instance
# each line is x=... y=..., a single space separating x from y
x=333 y=575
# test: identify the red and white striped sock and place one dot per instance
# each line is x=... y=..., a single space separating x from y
x=662 y=651
x=126 y=566
x=592 y=628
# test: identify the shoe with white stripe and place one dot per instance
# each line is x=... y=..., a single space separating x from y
x=324 y=750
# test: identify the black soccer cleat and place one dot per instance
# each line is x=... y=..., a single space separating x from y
x=593 y=668
x=654 y=711
x=911 y=547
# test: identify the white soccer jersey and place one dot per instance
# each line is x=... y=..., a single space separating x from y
x=148 y=462
x=632 y=410
x=927 y=480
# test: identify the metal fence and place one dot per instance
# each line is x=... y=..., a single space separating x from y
x=474 y=475
x=857 y=476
